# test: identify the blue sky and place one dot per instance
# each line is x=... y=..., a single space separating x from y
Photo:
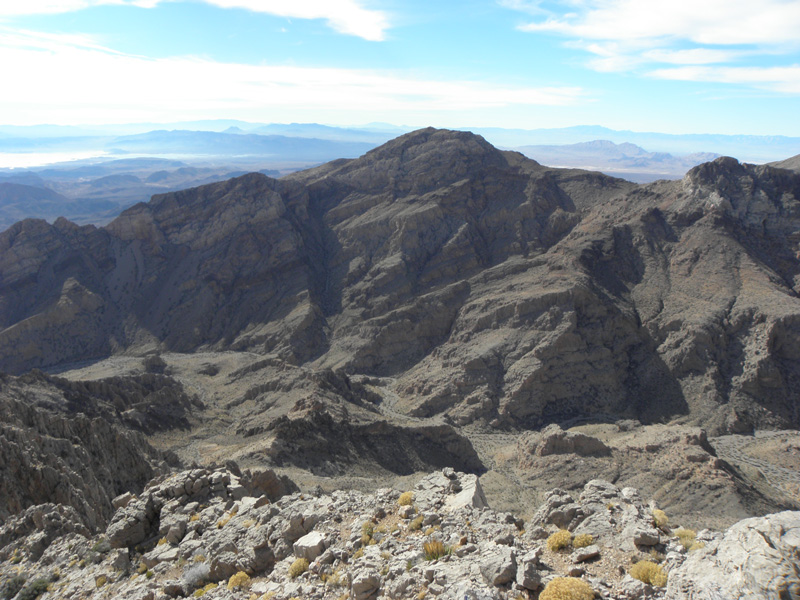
x=700 y=66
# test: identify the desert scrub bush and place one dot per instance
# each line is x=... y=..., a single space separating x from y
x=162 y=541
x=649 y=572
x=239 y=581
x=100 y=581
x=196 y=575
x=16 y=558
x=34 y=589
x=567 y=588
x=406 y=499
x=12 y=586
x=298 y=567
x=141 y=569
x=194 y=517
x=660 y=518
x=416 y=524
x=207 y=588
x=582 y=540
x=686 y=537
x=560 y=540
x=434 y=549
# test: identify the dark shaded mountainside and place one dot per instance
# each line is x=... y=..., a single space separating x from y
x=477 y=283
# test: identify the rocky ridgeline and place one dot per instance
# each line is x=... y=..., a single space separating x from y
x=220 y=533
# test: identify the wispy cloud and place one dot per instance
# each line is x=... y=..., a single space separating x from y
x=345 y=16
x=635 y=36
x=778 y=79
x=79 y=81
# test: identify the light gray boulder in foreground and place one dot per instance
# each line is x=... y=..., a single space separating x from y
x=755 y=558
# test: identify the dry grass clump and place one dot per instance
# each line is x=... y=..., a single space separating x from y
x=567 y=588
x=660 y=518
x=560 y=540
x=416 y=524
x=686 y=537
x=435 y=549
x=582 y=540
x=406 y=499
x=649 y=572
x=239 y=581
x=298 y=567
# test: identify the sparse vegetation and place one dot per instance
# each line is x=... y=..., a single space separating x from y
x=560 y=540
x=241 y=580
x=100 y=581
x=12 y=586
x=686 y=537
x=298 y=567
x=649 y=572
x=582 y=540
x=660 y=518
x=406 y=499
x=34 y=589
x=207 y=588
x=435 y=549
x=416 y=524
x=567 y=588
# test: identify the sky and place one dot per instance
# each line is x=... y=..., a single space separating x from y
x=683 y=66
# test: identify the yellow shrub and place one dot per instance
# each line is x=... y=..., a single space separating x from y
x=660 y=518
x=686 y=537
x=194 y=517
x=416 y=524
x=435 y=549
x=298 y=567
x=406 y=499
x=567 y=588
x=199 y=592
x=238 y=581
x=582 y=540
x=560 y=540
x=162 y=541
x=100 y=580
x=649 y=573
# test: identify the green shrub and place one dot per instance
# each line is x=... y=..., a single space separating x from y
x=560 y=540
x=649 y=573
x=298 y=567
x=12 y=586
x=567 y=588
x=34 y=589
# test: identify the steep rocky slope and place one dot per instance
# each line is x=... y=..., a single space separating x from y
x=462 y=280
x=58 y=446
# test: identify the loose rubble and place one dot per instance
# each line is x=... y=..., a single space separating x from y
x=223 y=534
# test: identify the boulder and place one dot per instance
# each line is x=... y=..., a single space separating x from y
x=755 y=558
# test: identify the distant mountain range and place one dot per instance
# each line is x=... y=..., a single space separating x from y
x=621 y=160
x=136 y=161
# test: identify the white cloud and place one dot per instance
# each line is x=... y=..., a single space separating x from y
x=77 y=81
x=719 y=22
x=779 y=79
x=345 y=16
x=708 y=38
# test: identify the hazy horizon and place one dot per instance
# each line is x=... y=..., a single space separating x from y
x=681 y=68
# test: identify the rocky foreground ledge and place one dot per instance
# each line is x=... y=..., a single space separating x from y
x=219 y=533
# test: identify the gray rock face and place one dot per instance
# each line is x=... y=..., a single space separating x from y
x=50 y=453
x=756 y=558
x=488 y=286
